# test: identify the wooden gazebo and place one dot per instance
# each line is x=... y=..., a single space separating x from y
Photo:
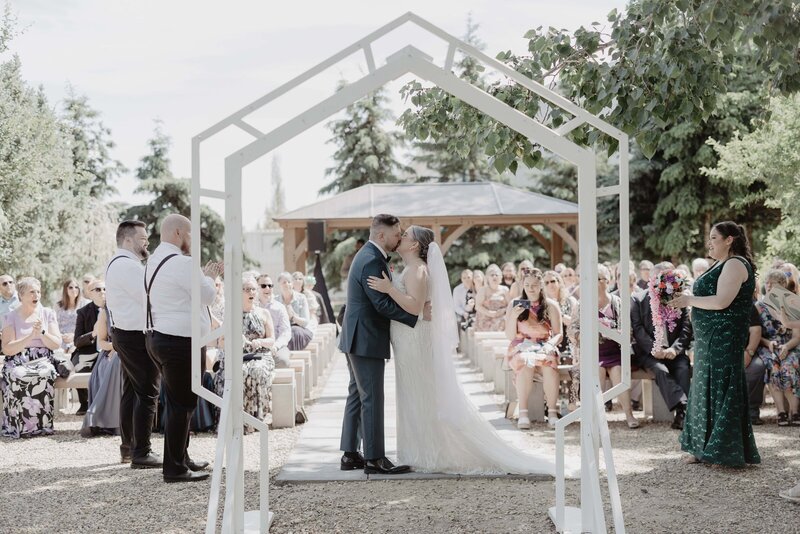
x=450 y=209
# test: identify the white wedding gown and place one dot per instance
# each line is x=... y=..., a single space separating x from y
x=439 y=430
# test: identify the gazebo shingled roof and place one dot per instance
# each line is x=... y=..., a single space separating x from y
x=450 y=209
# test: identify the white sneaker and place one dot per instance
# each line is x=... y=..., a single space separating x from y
x=524 y=423
x=551 y=421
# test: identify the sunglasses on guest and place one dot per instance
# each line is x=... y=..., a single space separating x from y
x=548 y=282
x=99 y=289
x=8 y=283
x=265 y=286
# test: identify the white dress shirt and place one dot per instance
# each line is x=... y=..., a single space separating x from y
x=125 y=291
x=380 y=248
x=171 y=293
x=280 y=319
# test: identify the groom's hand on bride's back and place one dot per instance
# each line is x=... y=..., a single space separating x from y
x=426 y=311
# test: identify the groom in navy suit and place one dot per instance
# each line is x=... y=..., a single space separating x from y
x=365 y=342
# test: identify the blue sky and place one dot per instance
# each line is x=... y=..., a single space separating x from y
x=191 y=63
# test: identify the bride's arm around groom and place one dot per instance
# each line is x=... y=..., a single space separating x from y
x=416 y=283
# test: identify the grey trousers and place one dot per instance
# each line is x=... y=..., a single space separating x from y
x=363 y=412
x=672 y=377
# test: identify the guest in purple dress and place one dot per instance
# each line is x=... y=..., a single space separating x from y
x=31 y=335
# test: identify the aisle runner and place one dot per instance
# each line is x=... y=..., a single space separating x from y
x=315 y=457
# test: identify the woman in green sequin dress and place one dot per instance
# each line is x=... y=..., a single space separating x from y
x=717 y=428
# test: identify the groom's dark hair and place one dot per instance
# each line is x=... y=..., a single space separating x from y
x=384 y=219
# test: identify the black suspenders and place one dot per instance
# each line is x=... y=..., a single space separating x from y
x=147 y=287
x=111 y=317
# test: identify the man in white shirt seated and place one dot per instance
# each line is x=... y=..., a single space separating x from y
x=464 y=298
x=280 y=318
x=168 y=320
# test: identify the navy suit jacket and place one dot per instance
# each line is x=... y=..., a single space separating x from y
x=365 y=330
x=644 y=332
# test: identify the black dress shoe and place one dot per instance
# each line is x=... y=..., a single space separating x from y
x=82 y=410
x=383 y=466
x=151 y=461
x=188 y=476
x=351 y=461
x=196 y=466
x=757 y=421
x=680 y=417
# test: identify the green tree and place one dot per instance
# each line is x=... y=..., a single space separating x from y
x=277 y=203
x=766 y=162
x=172 y=195
x=451 y=157
x=91 y=145
x=365 y=148
x=50 y=227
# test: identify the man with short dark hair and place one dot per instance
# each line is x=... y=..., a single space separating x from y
x=140 y=376
x=365 y=342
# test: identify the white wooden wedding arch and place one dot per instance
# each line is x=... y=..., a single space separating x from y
x=590 y=516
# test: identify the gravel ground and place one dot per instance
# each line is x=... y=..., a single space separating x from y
x=65 y=483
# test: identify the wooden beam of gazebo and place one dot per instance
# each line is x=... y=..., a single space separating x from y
x=449 y=209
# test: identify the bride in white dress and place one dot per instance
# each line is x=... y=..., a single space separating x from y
x=438 y=428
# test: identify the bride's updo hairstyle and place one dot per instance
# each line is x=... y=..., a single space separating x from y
x=423 y=236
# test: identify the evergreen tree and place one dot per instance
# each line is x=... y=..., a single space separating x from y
x=91 y=145
x=50 y=227
x=172 y=195
x=277 y=202
x=365 y=149
x=451 y=157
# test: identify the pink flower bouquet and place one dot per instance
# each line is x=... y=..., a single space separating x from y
x=663 y=288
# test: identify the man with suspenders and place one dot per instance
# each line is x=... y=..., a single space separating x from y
x=168 y=324
x=125 y=300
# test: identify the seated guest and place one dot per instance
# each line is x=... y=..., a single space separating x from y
x=464 y=300
x=525 y=266
x=67 y=311
x=610 y=353
x=297 y=308
x=478 y=280
x=105 y=384
x=218 y=307
x=556 y=290
x=314 y=307
x=535 y=332
x=670 y=363
x=509 y=274
x=754 y=367
x=570 y=279
x=491 y=302
x=644 y=273
x=85 y=354
x=699 y=266
x=781 y=355
x=280 y=321
x=792 y=276
x=321 y=313
x=30 y=334
x=259 y=344
x=8 y=298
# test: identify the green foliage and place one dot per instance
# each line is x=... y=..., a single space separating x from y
x=50 y=226
x=365 y=149
x=172 y=195
x=91 y=145
x=766 y=162
x=451 y=157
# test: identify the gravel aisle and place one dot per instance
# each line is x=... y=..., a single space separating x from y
x=65 y=483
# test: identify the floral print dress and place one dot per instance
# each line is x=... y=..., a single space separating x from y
x=258 y=373
x=27 y=382
x=784 y=375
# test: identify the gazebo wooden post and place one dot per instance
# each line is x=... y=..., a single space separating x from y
x=556 y=250
x=292 y=237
